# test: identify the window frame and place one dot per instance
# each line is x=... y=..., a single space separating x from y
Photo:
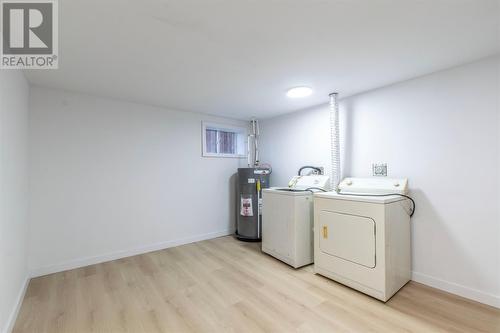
x=239 y=130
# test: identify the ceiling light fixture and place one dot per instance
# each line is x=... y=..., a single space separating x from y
x=299 y=92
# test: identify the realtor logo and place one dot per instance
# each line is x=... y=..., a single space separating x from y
x=29 y=34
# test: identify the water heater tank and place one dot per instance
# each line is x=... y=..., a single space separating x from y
x=251 y=181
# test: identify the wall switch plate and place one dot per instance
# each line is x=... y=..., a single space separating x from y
x=379 y=169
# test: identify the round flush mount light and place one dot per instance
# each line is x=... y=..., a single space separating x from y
x=298 y=92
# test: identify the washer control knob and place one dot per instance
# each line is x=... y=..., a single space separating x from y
x=396 y=184
x=348 y=182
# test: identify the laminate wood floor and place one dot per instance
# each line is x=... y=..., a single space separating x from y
x=224 y=285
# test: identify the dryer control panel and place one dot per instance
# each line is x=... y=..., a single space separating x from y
x=374 y=185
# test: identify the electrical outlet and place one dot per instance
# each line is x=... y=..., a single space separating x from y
x=379 y=169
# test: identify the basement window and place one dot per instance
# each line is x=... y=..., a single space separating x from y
x=221 y=140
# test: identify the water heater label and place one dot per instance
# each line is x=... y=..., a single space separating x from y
x=246 y=208
x=251 y=180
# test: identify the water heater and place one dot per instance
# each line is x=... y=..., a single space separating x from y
x=251 y=181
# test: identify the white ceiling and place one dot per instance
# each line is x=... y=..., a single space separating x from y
x=237 y=58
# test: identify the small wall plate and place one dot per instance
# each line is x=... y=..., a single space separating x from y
x=379 y=169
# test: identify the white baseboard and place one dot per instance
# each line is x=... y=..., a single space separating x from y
x=457 y=289
x=76 y=263
x=19 y=301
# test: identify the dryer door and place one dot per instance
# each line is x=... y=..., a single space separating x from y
x=349 y=237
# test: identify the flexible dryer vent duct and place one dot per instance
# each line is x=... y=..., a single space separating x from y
x=334 y=141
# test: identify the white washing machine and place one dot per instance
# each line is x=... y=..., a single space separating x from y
x=364 y=241
x=287 y=215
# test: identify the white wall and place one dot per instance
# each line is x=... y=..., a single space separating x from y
x=111 y=179
x=442 y=132
x=13 y=193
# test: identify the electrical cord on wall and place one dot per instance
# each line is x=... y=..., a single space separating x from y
x=414 y=206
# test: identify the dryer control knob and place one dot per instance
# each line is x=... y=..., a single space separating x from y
x=348 y=182
x=396 y=184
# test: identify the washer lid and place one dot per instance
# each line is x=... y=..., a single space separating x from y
x=287 y=191
x=359 y=198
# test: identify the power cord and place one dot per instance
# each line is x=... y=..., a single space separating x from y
x=414 y=206
x=310 y=189
x=317 y=169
